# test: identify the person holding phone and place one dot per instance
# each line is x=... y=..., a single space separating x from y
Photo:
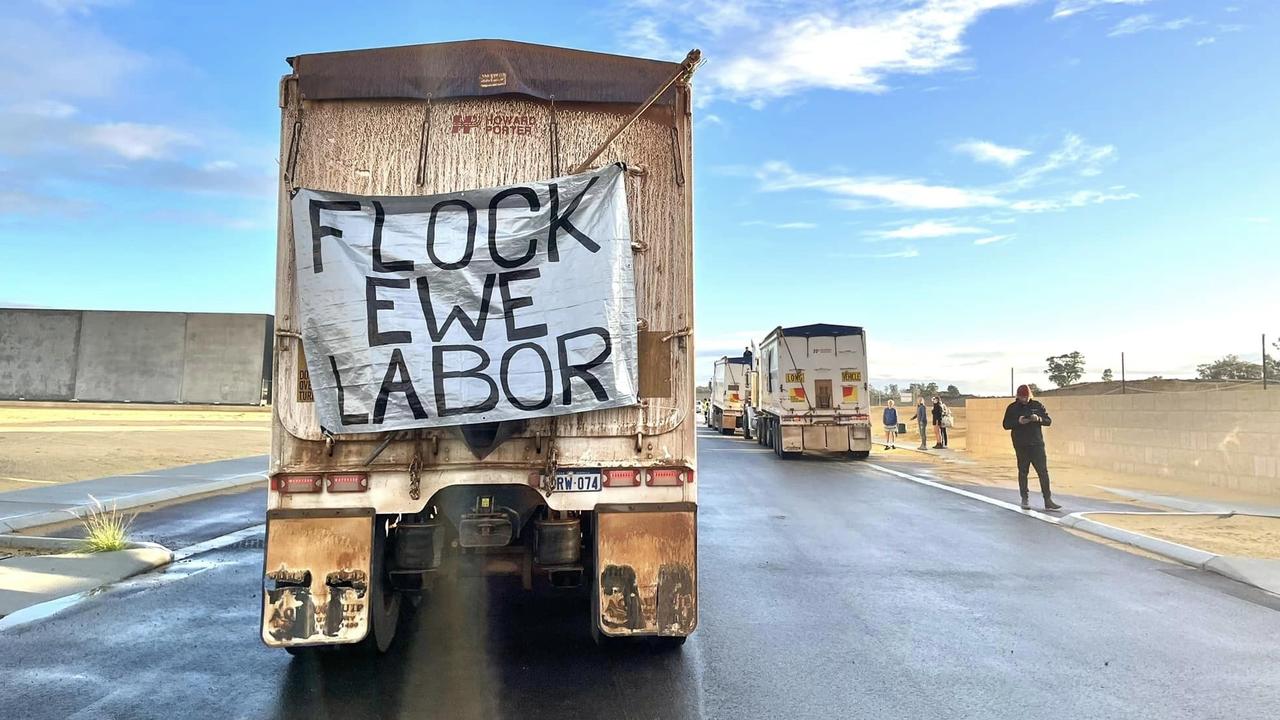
x=1023 y=419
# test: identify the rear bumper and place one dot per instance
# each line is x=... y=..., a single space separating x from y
x=826 y=436
x=646 y=569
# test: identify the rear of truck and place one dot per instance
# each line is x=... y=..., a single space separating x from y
x=813 y=390
x=727 y=390
x=359 y=525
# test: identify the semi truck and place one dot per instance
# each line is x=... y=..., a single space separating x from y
x=813 y=391
x=727 y=380
x=361 y=526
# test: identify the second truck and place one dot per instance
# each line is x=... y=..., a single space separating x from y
x=813 y=391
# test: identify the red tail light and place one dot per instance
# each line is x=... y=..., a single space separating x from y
x=348 y=482
x=667 y=477
x=296 y=483
x=619 y=477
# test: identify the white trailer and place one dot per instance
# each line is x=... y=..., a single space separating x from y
x=603 y=499
x=727 y=388
x=813 y=390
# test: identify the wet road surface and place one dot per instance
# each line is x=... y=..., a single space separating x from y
x=827 y=590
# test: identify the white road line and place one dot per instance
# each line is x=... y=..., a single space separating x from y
x=966 y=493
x=217 y=543
x=28 y=480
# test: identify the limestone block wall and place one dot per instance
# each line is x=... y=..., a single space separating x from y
x=1228 y=439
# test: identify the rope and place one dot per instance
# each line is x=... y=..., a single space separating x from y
x=686 y=69
x=782 y=339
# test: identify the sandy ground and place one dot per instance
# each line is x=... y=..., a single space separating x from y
x=1241 y=535
x=1238 y=535
x=42 y=444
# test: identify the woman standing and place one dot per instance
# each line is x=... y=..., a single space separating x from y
x=890 y=426
x=939 y=431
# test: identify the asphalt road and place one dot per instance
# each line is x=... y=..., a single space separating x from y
x=827 y=590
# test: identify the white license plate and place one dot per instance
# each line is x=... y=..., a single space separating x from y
x=578 y=481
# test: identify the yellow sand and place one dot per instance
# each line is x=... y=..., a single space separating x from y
x=48 y=443
x=1241 y=535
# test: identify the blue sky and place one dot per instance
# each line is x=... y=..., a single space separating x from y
x=980 y=183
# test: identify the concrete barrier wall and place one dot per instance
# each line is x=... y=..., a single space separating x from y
x=1227 y=439
x=134 y=356
x=38 y=353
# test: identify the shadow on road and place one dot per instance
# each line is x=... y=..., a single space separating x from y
x=487 y=649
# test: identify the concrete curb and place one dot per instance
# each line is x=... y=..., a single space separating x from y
x=1184 y=554
x=129 y=502
x=26 y=582
x=1250 y=571
x=61 y=545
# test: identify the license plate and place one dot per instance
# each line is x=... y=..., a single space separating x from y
x=578 y=481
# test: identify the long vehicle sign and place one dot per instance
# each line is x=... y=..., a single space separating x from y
x=468 y=307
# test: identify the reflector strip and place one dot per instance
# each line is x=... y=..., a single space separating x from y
x=618 y=477
x=348 y=482
x=297 y=483
x=667 y=477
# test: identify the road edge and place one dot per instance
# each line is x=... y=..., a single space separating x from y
x=1184 y=554
x=130 y=502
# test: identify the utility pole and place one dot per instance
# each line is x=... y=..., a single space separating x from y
x=1121 y=373
x=1010 y=382
x=1264 y=361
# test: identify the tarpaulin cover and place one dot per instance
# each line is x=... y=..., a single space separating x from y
x=474 y=68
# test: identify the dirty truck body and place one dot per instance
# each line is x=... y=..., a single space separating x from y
x=813 y=392
x=727 y=386
x=360 y=525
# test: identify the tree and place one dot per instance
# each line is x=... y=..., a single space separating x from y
x=1035 y=389
x=1065 y=369
x=1231 y=367
x=953 y=391
x=1107 y=376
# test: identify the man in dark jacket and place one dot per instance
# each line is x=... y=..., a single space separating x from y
x=1023 y=419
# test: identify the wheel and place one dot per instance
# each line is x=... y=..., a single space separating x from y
x=859 y=454
x=384 y=602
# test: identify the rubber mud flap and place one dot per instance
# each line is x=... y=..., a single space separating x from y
x=646 y=565
x=316 y=577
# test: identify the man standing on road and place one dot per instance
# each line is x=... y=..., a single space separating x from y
x=1023 y=419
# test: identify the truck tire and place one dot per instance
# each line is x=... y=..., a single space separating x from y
x=859 y=454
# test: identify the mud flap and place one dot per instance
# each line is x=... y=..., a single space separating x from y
x=646 y=569
x=316 y=576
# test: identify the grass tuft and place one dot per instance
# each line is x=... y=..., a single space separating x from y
x=105 y=529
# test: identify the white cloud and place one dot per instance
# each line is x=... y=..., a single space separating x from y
x=1076 y=154
x=82 y=7
x=904 y=253
x=219 y=166
x=1077 y=199
x=40 y=55
x=929 y=229
x=135 y=141
x=989 y=152
x=992 y=239
x=807 y=45
x=1259 y=219
x=1206 y=41
x=1067 y=8
x=53 y=109
x=777 y=176
x=1146 y=23
x=796 y=225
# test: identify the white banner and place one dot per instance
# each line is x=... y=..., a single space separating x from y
x=467 y=307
